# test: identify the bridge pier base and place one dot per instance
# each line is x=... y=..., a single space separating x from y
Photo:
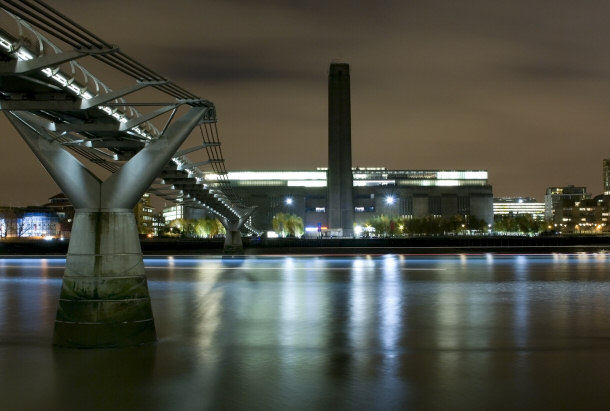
x=104 y=299
x=233 y=243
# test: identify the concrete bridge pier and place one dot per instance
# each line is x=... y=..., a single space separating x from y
x=104 y=299
x=233 y=243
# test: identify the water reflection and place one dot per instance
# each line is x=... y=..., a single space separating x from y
x=521 y=299
x=425 y=332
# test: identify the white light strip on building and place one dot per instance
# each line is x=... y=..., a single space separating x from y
x=306 y=183
x=461 y=175
x=271 y=175
x=452 y=177
x=518 y=208
x=447 y=183
x=364 y=183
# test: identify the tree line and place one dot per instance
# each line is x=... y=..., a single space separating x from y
x=520 y=223
x=427 y=225
x=458 y=224
x=193 y=228
x=288 y=225
x=291 y=225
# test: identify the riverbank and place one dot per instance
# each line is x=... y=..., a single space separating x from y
x=321 y=246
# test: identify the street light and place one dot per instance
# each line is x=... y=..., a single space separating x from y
x=390 y=199
x=288 y=200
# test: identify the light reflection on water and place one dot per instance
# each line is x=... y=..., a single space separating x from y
x=390 y=332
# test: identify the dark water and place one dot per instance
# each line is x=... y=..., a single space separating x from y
x=457 y=332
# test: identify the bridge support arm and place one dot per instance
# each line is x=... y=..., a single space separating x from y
x=125 y=187
x=74 y=179
x=233 y=243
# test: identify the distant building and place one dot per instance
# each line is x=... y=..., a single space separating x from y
x=61 y=205
x=143 y=212
x=556 y=197
x=28 y=222
x=333 y=200
x=178 y=211
x=606 y=176
x=512 y=206
x=51 y=220
x=583 y=216
x=158 y=224
x=376 y=191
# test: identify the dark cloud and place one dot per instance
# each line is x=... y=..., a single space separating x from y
x=220 y=65
x=545 y=71
x=516 y=87
x=339 y=11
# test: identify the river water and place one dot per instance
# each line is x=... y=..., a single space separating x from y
x=441 y=332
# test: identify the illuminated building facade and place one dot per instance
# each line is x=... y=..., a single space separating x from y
x=143 y=212
x=583 y=216
x=512 y=206
x=333 y=200
x=557 y=197
x=376 y=191
x=606 y=176
x=29 y=222
x=178 y=211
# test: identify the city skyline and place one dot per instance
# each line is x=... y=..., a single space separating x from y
x=518 y=89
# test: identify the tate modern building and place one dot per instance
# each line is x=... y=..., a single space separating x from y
x=340 y=197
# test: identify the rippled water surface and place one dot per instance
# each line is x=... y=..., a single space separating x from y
x=461 y=332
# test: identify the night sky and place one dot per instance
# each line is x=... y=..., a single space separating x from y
x=520 y=88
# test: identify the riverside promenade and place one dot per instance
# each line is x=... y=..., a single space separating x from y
x=321 y=246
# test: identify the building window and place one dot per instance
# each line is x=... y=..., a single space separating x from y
x=463 y=205
x=434 y=205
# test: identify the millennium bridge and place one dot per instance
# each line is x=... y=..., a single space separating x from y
x=105 y=147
